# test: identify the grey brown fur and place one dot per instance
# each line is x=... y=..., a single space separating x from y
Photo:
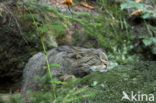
x=72 y=60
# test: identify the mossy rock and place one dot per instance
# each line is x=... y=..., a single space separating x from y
x=138 y=77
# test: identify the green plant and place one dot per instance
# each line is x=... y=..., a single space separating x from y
x=109 y=31
x=48 y=81
x=150 y=39
x=16 y=98
x=132 y=4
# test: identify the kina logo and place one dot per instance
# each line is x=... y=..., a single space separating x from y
x=137 y=96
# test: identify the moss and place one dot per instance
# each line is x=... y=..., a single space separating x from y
x=109 y=85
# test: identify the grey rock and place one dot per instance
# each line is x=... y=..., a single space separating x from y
x=75 y=61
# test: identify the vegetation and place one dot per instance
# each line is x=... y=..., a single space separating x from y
x=99 y=87
x=126 y=41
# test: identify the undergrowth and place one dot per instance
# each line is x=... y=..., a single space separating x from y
x=44 y=95
x=109 y=30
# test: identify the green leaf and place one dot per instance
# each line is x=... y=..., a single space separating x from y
x=57 y=27
x=45 y=28
x=58 y=82
x=154 y=50
x=54 y=65
x=132 y=4
x=147 y=15
x=147 y=42
x=51 y=65
x=153 y=40
x=94 y=83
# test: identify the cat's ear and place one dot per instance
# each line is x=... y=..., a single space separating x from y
x=102 y=54
x=102 y=49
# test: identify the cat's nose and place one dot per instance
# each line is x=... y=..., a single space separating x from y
x=106 y=64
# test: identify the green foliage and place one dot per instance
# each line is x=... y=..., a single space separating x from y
x=46 y=96
x=133 y=77
x=49 y=21
x=107 y=86
x=75 y=95
x=66 y=92
x=148 y=38
x=41 y=97
x=150 y=42
x=51 y=65
x=109 y=31
x=1 y=100
x=16 y=98
x=146 y=12
x=132 y=4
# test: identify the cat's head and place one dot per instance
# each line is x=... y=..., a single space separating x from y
x=87 y=60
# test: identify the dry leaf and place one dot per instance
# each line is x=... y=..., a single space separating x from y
x=87 y=5
x=137 y=1
x=68 y=2
x=17 y=91
x=136 y=13
x=76 y=8
x=14 y=91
